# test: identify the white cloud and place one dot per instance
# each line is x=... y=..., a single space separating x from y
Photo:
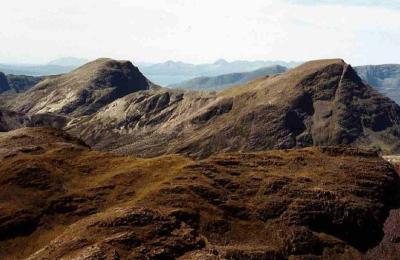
x=197 y=30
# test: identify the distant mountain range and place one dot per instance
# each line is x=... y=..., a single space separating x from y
x=172 y=72
x=385 y=78
x=163 y=74
x=58 y=66
x=228 y=80
x=34 y=70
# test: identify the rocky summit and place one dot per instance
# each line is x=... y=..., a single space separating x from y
x=62 y=200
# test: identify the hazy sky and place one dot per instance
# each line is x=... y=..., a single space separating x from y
x=361 y=32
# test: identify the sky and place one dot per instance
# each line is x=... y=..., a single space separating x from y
x=199 y=31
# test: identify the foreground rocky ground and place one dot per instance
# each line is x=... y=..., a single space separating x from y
x=60 y=199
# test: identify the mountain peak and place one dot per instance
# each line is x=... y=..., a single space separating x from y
x=84 y=90
x=319 y=64
x=221 y=62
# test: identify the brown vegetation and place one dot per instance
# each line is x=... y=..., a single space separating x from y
x=60 y=199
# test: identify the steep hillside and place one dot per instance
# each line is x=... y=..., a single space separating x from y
x=385 y=78
x=228 y=80
x=82 y=91
x=60 y=199
x=318 y=103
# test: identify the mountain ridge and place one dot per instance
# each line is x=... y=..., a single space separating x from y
x=317 y=95
x=321 y=102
